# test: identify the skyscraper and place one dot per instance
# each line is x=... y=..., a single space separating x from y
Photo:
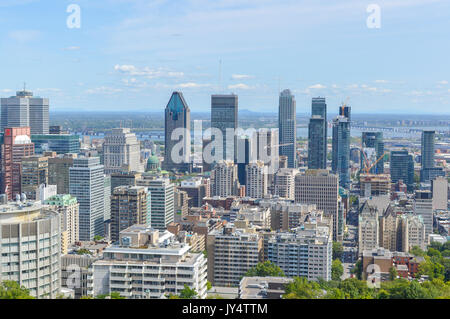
x=317 y=135
x=373 y=148
x=256 y=186
x=86 y=183
x=287 y=126
x=428 y=171
x=178 y=121
x=162 y=203
x=224 y=115
x=341 y=146
x=224 y=179
x=33 y=173
x=402 y=168
x=25 y=110
x=244 y=149
x=121 y=150
x=16 y=145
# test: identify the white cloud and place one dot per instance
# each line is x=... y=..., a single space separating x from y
x=103 y=90
x=443 y=82
x=381 y=81
x=24 y=36
x=146 y=71
x=317 y=86
x=241 y=76
x=191 y=85
x=72 y=48
x=239 y=86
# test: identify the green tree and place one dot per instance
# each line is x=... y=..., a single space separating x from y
x=338 y=250
x=208 y=285
x=188 y=293
x=357 y=270
x=12 y=290
x=265 y=269
x=393 y=273
x=337 y=270
x=416 y=251
x=98 y=237
x=301 y=288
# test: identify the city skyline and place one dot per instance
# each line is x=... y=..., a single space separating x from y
x=131 y=55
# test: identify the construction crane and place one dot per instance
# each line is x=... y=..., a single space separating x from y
x=368 y=166
x=278 y=145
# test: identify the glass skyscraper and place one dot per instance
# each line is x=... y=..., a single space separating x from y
x=373 y=148
x=317 y=135
x=402 y=168
x=341 y=146
x=287 y=126
x=224 y=115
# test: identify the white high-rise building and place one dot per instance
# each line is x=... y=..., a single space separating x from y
x=285 y=183
x=121 y=151
x=224 y=179
x=162 y=203
x=30 y=239
x=25 y=110
x=423 y=206
x=413 y=232
x=86 y=183
x=368 y=228
x=256 y=180
x=287 y=123
x=439 y=188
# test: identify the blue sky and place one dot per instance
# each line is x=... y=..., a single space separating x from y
x=131 y=54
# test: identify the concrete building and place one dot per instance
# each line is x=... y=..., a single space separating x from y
x=256 y=186
x=121 y=151
x=402 y=168
x=439 y=189
x=16 y=145
x=68 y=208
x=162 y=203
x=413 y=232
x=147 y=264
x=24 y=110
x=86 y=183
x=196 y=190
x=374 y=184
x=224 y=179
x=130 y=205
x=263 y=287
x=30 y=239
x=423 y=206
x=232 y=251
x=427 y=154
x=124 y=178
x=224 y=116
x=304 y=252
x=285 y=183
x=287 y=126
x=321 y=188
x=181 y=205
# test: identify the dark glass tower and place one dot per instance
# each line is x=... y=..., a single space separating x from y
x=317 y=135
x=177 y=116
x=224 y=115
x=341 y=146
x=287 y=127
x=402 y=168
x=428 y=170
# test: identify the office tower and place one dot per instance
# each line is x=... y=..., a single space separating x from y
x=33 y=237
x=368 y=227
x=224 y=179
x=256 y=175
x=58 y=171
x=244 y=156
x=86 y=183
x=267 y=150
x=341 y=146
x=181 y=205
x=304 y=252
x=321 y=188
x=224 y=115
x=423 y=206
x=121 y=151
x=16 y=145
x=124 y=179
x=130 y=205
x=25 y=110
x=196 y=190
x=427 y=149
x=413 y=232
x=177 y=122
x=162 y=203
x=160 y=264
x=59 y=143
x=402 y=168
x=287 y=127
x=285 y=183
x=232 y=251
x=317 y=135
x=68 y=208
x=439 y=188
x=373 y=152
x=33 y=173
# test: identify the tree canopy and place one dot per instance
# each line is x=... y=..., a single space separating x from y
x=12 y=290
x=265 y=269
